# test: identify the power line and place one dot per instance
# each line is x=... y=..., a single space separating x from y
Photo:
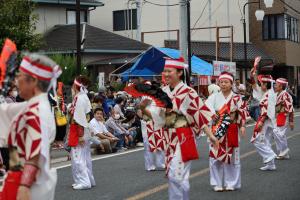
x=157 y=4
x=201 y=14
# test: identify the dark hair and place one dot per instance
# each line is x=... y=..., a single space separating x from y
x=98 y=99
x=83 y=80
x=268 y=85
x=237 y=79
x=98 y=109
x=119 y=100
x=213 y=80
x=283 y=87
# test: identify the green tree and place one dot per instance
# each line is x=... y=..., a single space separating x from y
x=68 y=66
x=17 y=22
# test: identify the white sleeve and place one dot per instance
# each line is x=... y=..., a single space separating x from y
x=104 y=128
x=210 y=102
x=94 y=126
x=81 y=111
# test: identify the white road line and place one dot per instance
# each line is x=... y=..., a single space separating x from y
x=104 y=157
x=128 y=152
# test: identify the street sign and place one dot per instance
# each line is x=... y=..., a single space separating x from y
x=221 y=66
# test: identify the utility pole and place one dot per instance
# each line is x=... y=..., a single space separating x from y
x=139 y=16
x=183 y=29
x=78 y=38
x=209 y=20
x=185 y=34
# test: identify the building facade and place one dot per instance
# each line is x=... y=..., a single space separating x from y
x=61 y=12
x=278 y=34
x=132 y=17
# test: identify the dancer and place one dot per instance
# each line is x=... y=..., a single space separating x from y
x=230 y=116
x=153 y=121
x=284 y=109
x=31 y=128
x=263 y=130
x=79 y=136
x=186 y=119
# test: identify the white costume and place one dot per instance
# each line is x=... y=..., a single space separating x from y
x=35 y=119
x=81 y=154
x=261 y=139
x=152 y=132
x=180 y=137
x=225 y=167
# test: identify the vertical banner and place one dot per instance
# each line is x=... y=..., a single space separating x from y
x=101 y=79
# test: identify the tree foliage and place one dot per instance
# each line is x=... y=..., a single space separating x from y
x=68 y=66
x=18 y=22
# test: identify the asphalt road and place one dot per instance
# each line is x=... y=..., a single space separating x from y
x=123 y=176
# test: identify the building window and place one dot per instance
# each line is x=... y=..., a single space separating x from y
x=280 y=26
x=71 y=16
x=124 y=20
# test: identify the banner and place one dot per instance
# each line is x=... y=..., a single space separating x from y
x=101 y=79
x=220 y=66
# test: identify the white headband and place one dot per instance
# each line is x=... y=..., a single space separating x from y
x=226 y=76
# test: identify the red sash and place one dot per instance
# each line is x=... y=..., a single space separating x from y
x=281 y=119
x=233 y=135
x=76 y=131
x=187 y=144
x=11 y=185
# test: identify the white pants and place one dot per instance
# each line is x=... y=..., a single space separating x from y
x=226 y=175
x=82 y=165
x=152 y=159
x=179 y=174
x=280 y=138
x=263 y=144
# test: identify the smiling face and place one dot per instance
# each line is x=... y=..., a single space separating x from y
x=172 y=76
x=225 y=85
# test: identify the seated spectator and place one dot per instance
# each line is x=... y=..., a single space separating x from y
x=130 y=125
x=118 y=108
x=101 y=136
x=113 y=125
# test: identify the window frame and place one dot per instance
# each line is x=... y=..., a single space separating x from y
x=291 y=28
x=74 y=10
x=131 y=13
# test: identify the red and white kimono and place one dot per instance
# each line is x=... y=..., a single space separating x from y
x=284 y=109
x=180 y=141
x=31 y=131
x=225 y=168
x=152 y=131
x=261 y=138
x=81 y=154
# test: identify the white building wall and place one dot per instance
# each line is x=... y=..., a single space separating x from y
x=155 y=18
x=49 y=16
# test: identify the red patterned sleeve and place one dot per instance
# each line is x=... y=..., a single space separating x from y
x=288 y=106
x=198 y=112
x=30 y=143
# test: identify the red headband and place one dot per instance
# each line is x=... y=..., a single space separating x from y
x=36 y=69
x=175 y=63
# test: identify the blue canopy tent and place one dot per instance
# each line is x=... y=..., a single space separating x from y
x=151 y=63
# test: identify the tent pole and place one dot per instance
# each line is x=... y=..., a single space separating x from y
x=198 y=85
